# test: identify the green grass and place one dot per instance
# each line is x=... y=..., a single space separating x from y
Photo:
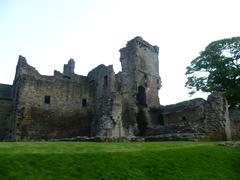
x=137 y=160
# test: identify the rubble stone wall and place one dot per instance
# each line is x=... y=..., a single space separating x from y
x=126 y=104
x=6 y=110
x=108 y=102
x=51 y=106
x=140 y=83
x=235 y=123
x=197 y=116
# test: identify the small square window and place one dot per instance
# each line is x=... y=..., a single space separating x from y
x=84 y=102
x=47 y=99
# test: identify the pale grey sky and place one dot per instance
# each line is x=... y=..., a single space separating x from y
x=49 y=32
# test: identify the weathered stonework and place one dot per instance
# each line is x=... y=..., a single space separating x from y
x=50 y=106
x=104 y=104
x=140 y=82
x=107 y=105
x=235 y=123
x=6 y=109
x=198 y=116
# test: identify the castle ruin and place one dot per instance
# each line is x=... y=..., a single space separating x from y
x=106 y=104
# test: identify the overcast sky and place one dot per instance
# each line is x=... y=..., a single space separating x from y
x=50 y=32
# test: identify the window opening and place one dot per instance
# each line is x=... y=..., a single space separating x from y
x=105 y=80
x=84 y=102
x=47 y=99
x=161 y=120
x=145 y=76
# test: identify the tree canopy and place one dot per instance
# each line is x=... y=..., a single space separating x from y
x=217 y=68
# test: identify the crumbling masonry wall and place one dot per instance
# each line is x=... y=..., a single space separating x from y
x=140 y=83
x=6 y=108
x=205 y=118
x=235 y=123
x=103 y=103
x=107 y=103
x=48 y=107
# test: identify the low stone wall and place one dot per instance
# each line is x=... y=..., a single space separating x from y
x=163 y=137
x=198 y=116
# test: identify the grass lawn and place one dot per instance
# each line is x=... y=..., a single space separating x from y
x=136 y=160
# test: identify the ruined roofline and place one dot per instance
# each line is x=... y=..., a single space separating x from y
x=22 y=64
x=192 y=103
x=5 y=92
x=2 y=84
x=68 y=69
x=95 y=72
x=23 y=68
x=138 y=41
x=21 y=59
x=100 y=66
x=179 y=106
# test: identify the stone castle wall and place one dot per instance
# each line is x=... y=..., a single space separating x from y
x=51 y=106
x=5 y=118
x=235 y=123
x=204 y=117
x=6 y=109
x=106 y=104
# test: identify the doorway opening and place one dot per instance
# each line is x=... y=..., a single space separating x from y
x=141 y=96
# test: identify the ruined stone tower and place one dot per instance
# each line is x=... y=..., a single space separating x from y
x=120 y=98
x=140 y=71
x=68 y=69
x=140 y=83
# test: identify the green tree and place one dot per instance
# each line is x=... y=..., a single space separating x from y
x=217 y=68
